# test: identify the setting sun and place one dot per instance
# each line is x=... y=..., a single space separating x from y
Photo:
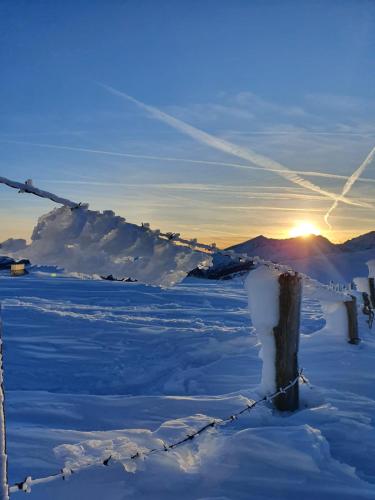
x=304 y=229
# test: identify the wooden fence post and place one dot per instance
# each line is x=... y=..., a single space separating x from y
x=287 y=340
x=372 y=291
x=351 y=311
x=4 y=489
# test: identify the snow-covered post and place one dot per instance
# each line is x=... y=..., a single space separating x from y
x=275 y=304
x=367 y=287
x=4 y=490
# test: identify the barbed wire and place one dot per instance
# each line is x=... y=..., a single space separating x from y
x=65 y=472
x=28 y=187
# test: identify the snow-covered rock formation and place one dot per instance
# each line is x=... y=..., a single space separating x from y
x=90 y=242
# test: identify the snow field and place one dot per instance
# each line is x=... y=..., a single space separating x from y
x=94 y=368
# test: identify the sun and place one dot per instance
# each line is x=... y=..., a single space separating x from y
x=304 y=229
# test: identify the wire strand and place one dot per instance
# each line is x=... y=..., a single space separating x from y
x=65 y=472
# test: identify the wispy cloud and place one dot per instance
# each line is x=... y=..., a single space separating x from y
x=244 y=106
x=233 y=149
x=259 y=104
x=270 y=207
x=340 y=103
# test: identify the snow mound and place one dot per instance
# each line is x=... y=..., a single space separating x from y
x=91 y=242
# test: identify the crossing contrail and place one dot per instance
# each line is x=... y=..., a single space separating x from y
x=230 y=148
x=349 y=183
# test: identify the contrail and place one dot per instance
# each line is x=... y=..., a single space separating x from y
x=230 y=148
x=349 y=183
x=240 y=166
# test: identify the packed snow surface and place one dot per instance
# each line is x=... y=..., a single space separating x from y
x=102 y=243
x=94 y=368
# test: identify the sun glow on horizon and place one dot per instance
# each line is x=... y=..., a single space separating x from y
x=304 y=229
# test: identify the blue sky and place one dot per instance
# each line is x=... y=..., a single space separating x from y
x=290 y=80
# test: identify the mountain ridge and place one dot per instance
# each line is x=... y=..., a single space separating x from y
x=302 y=247
x=316 y=256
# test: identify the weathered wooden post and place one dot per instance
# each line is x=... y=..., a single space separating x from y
x=4 y=489
x=287 y=340
x=371 y=281
x=275 y=308
x=372 y=291
x=351 y=311
x=367 y=287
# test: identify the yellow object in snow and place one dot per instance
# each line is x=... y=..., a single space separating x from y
x=17 y=269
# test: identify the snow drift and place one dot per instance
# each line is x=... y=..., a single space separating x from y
x=92 y=242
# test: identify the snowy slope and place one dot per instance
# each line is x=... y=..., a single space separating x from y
x=316 y=255
x=95 y=368
x=274 y=249
x=341 y=268
x=363 y=242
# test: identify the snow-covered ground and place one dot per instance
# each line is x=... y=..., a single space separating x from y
x=97 y=368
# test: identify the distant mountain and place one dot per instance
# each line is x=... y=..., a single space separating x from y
x=299 y=248
x=363 y=242
x=12 y=245
x=316 y=256
x=290 y=248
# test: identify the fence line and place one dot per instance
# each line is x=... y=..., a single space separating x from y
x=212 y=248
x=27 y=187
x=28 y=482
x=194 y=244
x=341 y=294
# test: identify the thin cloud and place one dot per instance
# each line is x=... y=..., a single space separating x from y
x=349 y=183
x=272 y=208
x=230 y=148
x=240 y=166
x=272 y=192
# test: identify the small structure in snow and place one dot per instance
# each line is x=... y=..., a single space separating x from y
x=18 y=269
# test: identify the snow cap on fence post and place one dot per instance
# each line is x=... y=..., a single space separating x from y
x=367 y=285
x=275 y=307
x=334 y=313
x=341 y=319
x=263 y=293
x=371 y=268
